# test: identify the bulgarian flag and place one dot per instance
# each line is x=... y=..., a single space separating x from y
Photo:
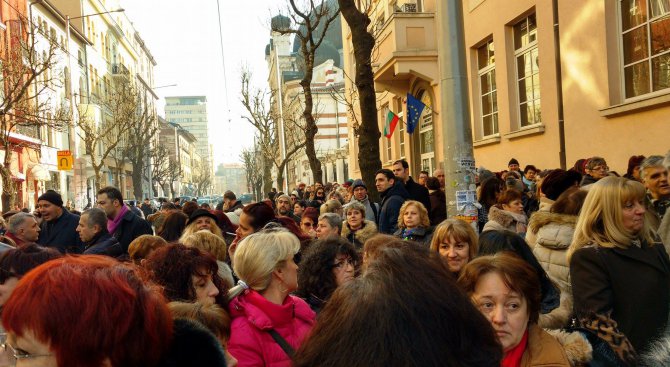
x=391 y=122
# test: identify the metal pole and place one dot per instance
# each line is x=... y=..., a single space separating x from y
x=455 y=115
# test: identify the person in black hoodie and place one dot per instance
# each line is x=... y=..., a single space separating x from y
x=393 y=195
x=414 y=190
x=93 y=232
x=58 y=228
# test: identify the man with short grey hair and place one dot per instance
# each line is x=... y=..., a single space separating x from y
x=22 y=229
x=329 y=225
x=654 y=176
x=93 y=232
x=664 y=227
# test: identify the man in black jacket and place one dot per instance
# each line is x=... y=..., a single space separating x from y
x=93 y=232
x=393 y=195
x=416 y=192
x=121 y=222
x=58 y=228
x=230 y=202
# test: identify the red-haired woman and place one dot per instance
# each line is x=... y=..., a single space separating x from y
x=187 y=274
x=94 y=311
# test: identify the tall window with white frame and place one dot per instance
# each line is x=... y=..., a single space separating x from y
x=527 y=71
x=401 y=128
x=645 y=37
x=488 y=92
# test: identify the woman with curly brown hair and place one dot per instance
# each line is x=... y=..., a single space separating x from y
x=328 y=264
x=173 y=226
x=187 y=274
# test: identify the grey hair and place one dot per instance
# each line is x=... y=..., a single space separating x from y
x=649 y=162
x=16 y=221
x=333 y=220
x=96 y=216
x=666 y=162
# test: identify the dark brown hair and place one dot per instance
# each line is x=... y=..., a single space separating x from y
x=569 y=202
x=404 y=311
x=19 y=261
x=516 y=273
x=173 y=226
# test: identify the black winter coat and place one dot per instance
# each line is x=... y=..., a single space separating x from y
x=392 y=200
x=420 y=235
x=632 y=284
x=61 y=234
x=193 y=345
x=104 y=244
x=418 y=193
x=130 y=228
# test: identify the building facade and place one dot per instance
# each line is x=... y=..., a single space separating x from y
x=545 y=95
x=190 y=112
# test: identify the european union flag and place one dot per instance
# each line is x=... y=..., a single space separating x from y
x=414 y=109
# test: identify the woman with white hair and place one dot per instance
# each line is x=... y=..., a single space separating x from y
x=268 y=323
x=619 y=271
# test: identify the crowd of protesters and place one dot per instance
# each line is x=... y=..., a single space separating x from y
x=561 y=268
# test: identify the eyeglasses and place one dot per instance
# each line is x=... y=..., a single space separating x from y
x=18 y=354
x=348 y=261
x=307 y=224
x=600 y=168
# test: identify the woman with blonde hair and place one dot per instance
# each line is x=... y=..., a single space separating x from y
x=201 y=219
x=414 y=223
x=618 y=267
x=332 y=206
x=214 y=245
x=268 y=322
x=456 y=241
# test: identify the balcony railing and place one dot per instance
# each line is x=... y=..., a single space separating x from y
x=119 y=69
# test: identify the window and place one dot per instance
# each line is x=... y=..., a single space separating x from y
x=488 y=94
x=645 y=36
x=527 y=67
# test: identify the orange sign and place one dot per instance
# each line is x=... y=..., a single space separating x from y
x=65 y=160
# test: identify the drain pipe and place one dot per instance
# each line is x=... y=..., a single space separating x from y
x=559 y=87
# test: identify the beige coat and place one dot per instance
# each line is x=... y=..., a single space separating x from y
x=549 y=236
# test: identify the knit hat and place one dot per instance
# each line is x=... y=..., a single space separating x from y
x=201 y=213
x=358 y=183
x=53 y=197
x=558 y=181
x=512 y=161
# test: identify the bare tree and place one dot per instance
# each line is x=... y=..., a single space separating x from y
x=29 y=75
x=264 y=120
x=251 y=161
x=104 y=130
x=312 y=22
x=201 y=178
x=141 y=137
x=160 y=167
x=368 y=130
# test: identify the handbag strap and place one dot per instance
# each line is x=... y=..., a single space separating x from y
x=285 y=346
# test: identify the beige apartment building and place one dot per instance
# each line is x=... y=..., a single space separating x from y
x=605 y=68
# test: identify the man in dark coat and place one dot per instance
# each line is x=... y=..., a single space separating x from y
x=58 y=228
x=393 y=195
x=147 y=208
x=414 y=190
x=230 y=202
x=121 y=222
x=93 y=232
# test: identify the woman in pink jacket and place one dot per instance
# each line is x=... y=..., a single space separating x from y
x=268 y=324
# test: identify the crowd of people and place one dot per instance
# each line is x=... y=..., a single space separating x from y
x=561 y=268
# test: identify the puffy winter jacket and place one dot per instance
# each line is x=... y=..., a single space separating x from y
x=254 y=316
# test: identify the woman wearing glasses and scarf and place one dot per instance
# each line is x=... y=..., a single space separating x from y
x=328 y=264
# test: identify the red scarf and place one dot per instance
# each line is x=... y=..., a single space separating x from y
x=513 y=356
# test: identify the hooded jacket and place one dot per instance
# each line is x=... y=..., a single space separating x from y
x=369 y=210
x=358 y=238
x=252 y=318
x=392 y=200
x=503 y=220
x=549 y=236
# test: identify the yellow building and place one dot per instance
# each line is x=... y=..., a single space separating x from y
x=606 y=67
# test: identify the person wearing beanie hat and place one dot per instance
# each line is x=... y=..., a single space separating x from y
x=360 y=191
x=513 y=165
x=59 y=227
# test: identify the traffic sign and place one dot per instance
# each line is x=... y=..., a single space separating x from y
x=65 y=160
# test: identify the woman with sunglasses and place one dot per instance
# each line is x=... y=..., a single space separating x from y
x=327 y=264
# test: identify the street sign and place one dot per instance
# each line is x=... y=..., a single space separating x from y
x=65 y=160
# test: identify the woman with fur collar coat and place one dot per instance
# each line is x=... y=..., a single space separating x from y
x=508 y=214
x=356 y=229
x=549 y=236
